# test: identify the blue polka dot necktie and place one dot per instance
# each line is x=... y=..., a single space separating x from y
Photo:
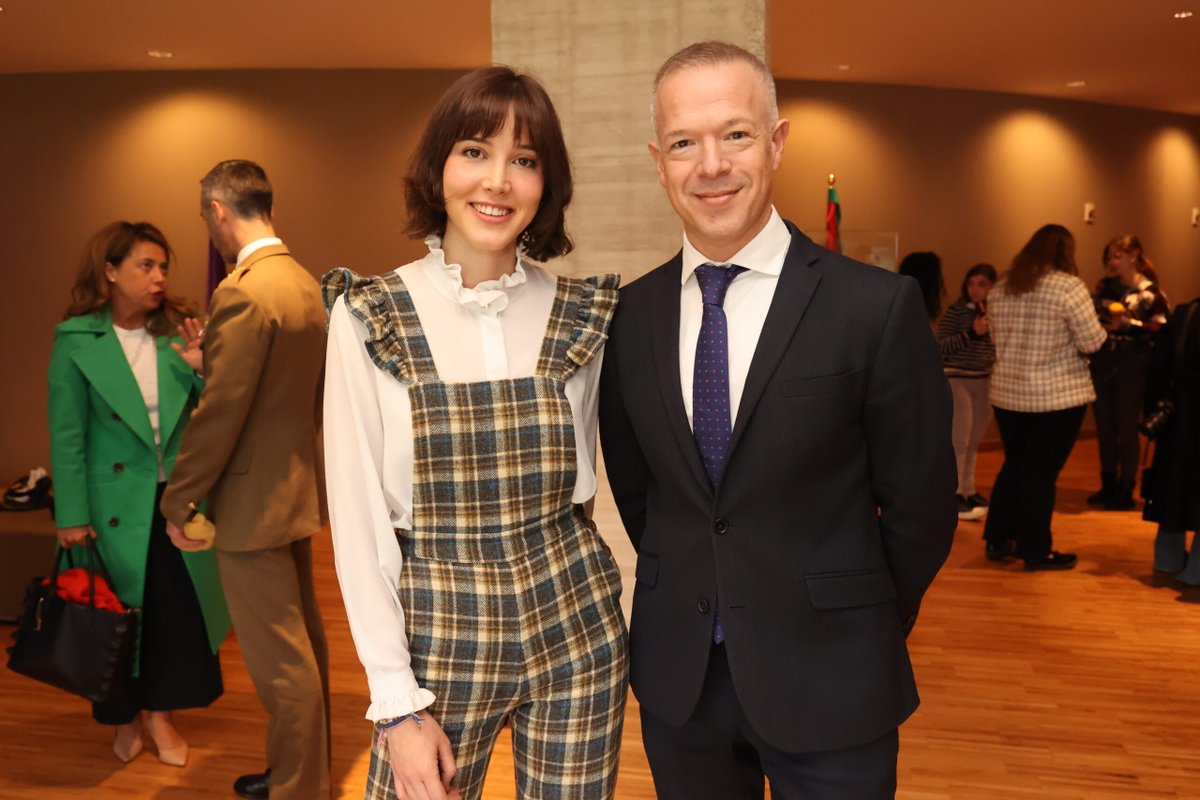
x=711 y=422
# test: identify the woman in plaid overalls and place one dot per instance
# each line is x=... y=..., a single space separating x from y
x=460 y=414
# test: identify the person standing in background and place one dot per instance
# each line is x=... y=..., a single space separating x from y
x=252 y=450
x=967 y=358
x=926 y=269
x=1043 y=325
x=1171 y=485
x=120 y=397
x=1132 y=309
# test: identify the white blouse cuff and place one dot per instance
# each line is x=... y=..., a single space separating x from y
x=396 y=695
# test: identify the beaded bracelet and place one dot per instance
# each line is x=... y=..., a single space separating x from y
x=384 y=725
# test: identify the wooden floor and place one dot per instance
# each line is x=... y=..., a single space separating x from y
x=1083 y=684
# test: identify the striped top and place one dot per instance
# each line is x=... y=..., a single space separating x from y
x=964 y=352
x=1041 y=339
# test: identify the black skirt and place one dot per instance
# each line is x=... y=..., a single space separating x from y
x=177 y=668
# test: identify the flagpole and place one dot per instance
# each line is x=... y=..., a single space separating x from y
x=833 y=217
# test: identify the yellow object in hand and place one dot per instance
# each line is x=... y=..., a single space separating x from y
x=199 y=528
x=1116 y=308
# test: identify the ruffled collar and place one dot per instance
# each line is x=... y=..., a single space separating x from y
x=489 y=297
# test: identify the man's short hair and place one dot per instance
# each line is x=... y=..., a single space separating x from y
x=710 y=54
x=477 y=105
x=242 y=185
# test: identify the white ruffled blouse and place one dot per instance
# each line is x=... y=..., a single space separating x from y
x=489 y=332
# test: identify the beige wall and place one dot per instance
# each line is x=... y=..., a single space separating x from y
x=971 y=175
x=967 y=174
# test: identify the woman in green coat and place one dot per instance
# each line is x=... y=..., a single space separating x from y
x=121 y=392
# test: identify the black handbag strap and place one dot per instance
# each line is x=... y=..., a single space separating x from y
x=93 y=562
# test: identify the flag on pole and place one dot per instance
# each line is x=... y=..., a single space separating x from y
x=833 y=218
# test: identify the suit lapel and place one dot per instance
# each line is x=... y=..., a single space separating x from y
x=104 y=364
x=666 y=362
x=174 y=384
x=797 y=285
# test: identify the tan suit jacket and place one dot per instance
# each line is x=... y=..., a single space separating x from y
x=252 y=449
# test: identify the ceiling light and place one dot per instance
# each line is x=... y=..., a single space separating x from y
x=1076 y=84
x=843 y=67
x=1182 y=14
x=160 y=54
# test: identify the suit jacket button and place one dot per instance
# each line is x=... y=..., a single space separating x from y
x=113 y=522
x=118 y=467
x=702 y=605
x=721 y=526
x=116 y=417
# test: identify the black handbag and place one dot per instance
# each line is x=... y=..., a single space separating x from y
x=76 y=647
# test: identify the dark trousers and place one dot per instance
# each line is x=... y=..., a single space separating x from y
x=177 y=668
x=1036 y=446
x=1119 y=375
x=717 y=756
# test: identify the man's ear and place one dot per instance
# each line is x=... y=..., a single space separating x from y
x=778 y=137
x=656 y=154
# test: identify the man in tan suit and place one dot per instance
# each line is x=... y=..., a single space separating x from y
x=251 y=452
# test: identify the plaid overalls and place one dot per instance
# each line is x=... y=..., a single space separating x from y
x=510 y=599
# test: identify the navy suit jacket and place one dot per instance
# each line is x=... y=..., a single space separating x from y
x=835 y=511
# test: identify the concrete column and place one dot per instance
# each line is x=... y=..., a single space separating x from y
x=597 y=60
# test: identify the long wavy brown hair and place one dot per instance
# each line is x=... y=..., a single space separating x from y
x=110 y=245
x=1051 y=248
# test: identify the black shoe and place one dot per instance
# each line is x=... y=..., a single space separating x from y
x=1000 y=552
x=1106 y=492
x=256 y=787
x=1052 y=560
x=977 y=500
x=1122 y=498
x=966 y=510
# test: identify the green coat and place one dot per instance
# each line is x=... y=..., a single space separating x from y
x=103 y=457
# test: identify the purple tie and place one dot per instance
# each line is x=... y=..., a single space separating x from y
x=710 y=382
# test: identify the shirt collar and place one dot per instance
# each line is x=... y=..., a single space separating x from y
x=257 y=244
x=488 y=297
x=764 y=253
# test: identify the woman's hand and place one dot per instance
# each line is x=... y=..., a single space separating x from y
x=77 y=534
x=980 y=325
x=422 y=761
x=192 y=332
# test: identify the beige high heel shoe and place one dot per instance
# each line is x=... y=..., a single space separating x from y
x=128 y=742
x=175 y=756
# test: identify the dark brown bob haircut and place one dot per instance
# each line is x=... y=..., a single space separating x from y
x=1051 y=248
x=111 y=244
x=476 y=107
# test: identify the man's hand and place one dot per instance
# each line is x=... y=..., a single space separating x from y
x=77 y=534
x=422 y=760
x=180 y=540
x=192 y=332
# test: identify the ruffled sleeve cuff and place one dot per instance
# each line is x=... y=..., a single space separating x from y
x=597 y=303
x=396 y=695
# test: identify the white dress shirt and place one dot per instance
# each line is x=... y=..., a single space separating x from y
x=746 y=305
x=257 y=244
x=492 y=331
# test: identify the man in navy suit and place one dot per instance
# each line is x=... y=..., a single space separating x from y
x=776 y=430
